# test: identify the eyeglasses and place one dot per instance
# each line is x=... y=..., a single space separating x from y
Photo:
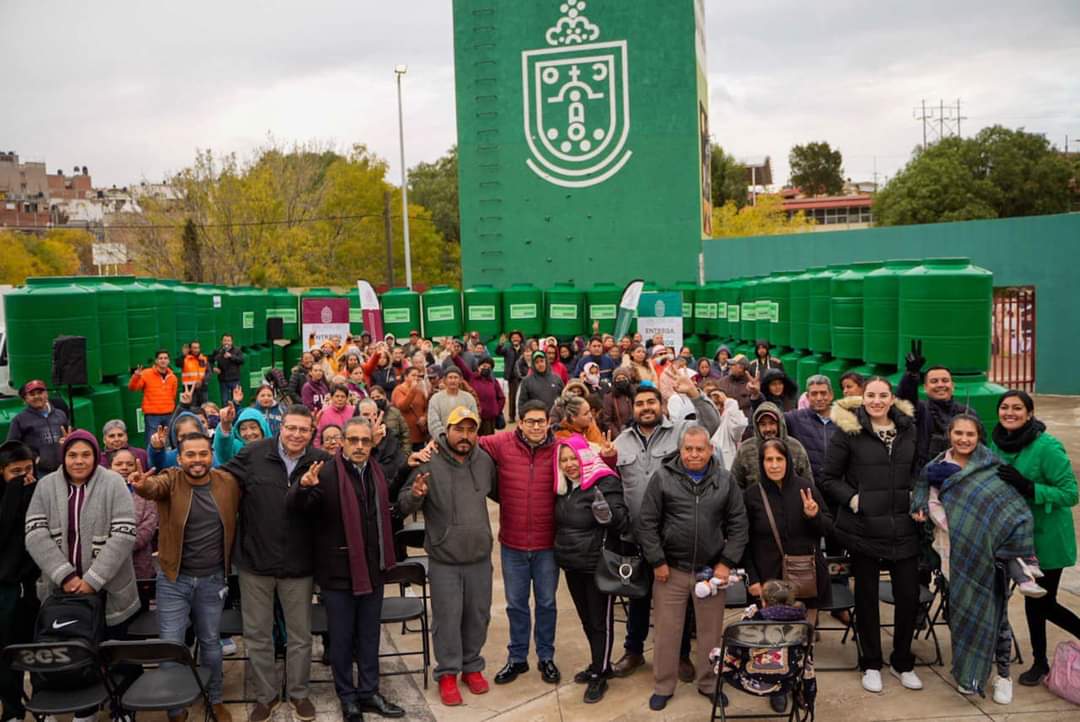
x=302 y=430
x=535 y=423
x=360 y=440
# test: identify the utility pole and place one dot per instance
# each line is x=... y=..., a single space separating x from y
x=388 y=229
x=399 y=71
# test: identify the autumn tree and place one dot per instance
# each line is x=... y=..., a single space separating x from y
x=767 y=217
x=817 y=169
x=435 y=187
x=55 y=253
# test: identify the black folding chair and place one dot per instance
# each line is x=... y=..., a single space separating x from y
x=404 y=608
x=927 y=597
x=843 y=600
x=757 y=635
x=57 y=657
x=411 y=536
x=176 y=683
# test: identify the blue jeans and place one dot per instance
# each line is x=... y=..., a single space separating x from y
x=520 y=570
x=226 y=390
x=153 y=421
x=201 y=599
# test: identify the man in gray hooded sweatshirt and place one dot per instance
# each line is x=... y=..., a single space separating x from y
x=452 y=490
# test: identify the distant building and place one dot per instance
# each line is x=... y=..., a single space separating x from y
x=832 y=213
x=24 y=192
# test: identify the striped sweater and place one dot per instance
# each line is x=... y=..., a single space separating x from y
x=107 y=533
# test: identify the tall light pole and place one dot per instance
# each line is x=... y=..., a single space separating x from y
x=399 y=71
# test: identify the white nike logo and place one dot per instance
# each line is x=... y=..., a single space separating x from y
x=57 y=624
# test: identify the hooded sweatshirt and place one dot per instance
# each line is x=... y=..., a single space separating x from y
x=746 y=469
x=41 y=431
x=226 y=446
x=544 y=386
x=457 y=527
x=98 y=547
x=787 y=401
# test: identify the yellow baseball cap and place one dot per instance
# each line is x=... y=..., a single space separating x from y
x=462 y=413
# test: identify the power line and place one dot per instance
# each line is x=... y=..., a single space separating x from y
x=942 y=122
x=241 y=224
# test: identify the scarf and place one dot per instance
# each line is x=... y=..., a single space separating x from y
x=1013 y=441
x=592 y=467
x=353 y=521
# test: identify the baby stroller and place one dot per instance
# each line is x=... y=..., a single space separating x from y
x=764 y=658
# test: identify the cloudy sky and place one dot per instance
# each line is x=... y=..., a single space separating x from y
x=131 y=89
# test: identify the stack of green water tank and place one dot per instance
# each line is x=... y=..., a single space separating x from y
x=39 y=312
x=483 y=311
x=442 y=312
x=523 y=309
x=602 y=306
x=401 y=311
x=564 y=311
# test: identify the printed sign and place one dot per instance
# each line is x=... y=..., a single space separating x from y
x=705 y=310
x=603 y=311
x=481 y=313
x=217 y=301
x=563 y=311
x=397 y=315
x=721 y=309
x=287 y=315
x=522 y=311
x=249 y=319
x=324 y=318
x=661 y=313
x=733 y=313
x=439 y=313
x=577 y=102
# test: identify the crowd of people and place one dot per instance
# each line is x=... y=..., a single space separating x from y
x=709 y=472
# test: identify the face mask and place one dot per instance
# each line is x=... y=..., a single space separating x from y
x=622 y=386
x=381 y=403
x=485 y=372
x=396 y=364
x=213 y=421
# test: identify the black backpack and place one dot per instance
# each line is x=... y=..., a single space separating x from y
x=64 y=617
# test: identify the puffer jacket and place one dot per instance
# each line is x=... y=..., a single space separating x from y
x=858 y=462
x=806 y=426
x=271 y=541
x=526 y=478
x=159 y=392
x=689 y=526
x=578 y=536
x=457 y=528
x=747 y=470
x=931 y=438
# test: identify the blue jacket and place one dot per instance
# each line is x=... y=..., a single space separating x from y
x=806 y=426
x=605 y=362
x=226 y=446
x=167 y=458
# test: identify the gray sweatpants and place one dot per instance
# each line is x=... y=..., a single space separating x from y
x=460 y=613
x=257 y=595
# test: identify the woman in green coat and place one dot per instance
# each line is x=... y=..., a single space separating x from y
x=1038 y=467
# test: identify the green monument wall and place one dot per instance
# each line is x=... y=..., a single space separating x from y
x=582 y=137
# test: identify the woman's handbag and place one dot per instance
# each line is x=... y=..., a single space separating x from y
x=620 y=574
x=798 y=569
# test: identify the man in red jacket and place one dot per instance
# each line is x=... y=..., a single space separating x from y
x=526 y=475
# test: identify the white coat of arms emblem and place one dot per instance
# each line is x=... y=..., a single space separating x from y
x=577 y=102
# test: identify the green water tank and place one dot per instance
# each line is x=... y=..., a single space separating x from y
x=107 y=404
x=290 y=356
x=523 y=309
x=207 y=312
x=981 y=395
x=807 y=366
x=442 y=312
x=283 y=304
x=166 y=303
x=112 y=325
x=483 y=311
x=881 y=311
x=846 y=289
x=706 y=308
x=820 y=317
x=869 y=371
x=253 y=318
x=834 y=369
x=696 y=344
x=689 y=293
x=602 y=306
x=85 y=415
x=10 y=407
x=947 y=303
x=799 y=332
x=730 y=308
x=748 y=310
x=229 y=309
x=781 y=309
x=131 y=405
x=187 y=313
x=257 y=363
x=401 y=312
x=36 y=314
x=791 y=359
x=564 y=311
x=356 y=313
x=763 y=307
x=143 y=312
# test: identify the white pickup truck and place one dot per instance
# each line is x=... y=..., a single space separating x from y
x=5 y=368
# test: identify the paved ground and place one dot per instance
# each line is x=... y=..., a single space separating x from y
x=840 y=695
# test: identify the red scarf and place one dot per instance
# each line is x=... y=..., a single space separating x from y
x=353 y=520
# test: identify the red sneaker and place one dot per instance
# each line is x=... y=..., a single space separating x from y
x=448 y=690
x=476 y=682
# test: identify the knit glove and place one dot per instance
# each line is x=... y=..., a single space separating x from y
x=914 y=360
x=601 y=510
x=1018 y=481
x=936 y=474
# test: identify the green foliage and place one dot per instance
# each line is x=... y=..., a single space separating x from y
x=54 y=254
x=1000 y=173
x=299 y=216
x=817 y=169
x=435 y=187
x=728 y=179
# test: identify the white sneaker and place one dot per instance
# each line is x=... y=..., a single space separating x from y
x=228 y=647
x=871 y=680
x=964 y=690
x=89 y=718
x=1031 y=589
x=1003 y=690
x=910 y=680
